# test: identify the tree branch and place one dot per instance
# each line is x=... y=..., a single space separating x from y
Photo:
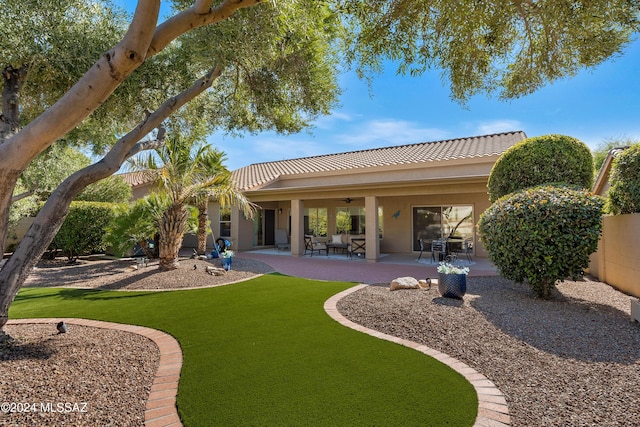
x=52 y=215
x=22 y=196
x=196 y=16
x=88 y=93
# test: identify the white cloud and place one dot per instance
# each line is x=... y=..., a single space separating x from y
x=328 y=122
x=498 y=126
x=387 y=132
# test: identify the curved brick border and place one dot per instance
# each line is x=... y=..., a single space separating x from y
x=160 y=409
x=492 y=406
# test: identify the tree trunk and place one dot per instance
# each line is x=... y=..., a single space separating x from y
x=52 y=215
x=202 y=227
x=10 y=113
x=172 y=227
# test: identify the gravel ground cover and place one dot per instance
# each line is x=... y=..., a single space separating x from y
x=121 y=275
x=571 y=361
x=92 y=376
x=85 y=377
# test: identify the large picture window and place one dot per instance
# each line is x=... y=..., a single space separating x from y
x=351 y=220
x=436 y=222
x=315 y=222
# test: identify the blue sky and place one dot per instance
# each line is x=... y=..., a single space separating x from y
x=598 y=104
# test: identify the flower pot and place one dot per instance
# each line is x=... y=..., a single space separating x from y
x=226 y=263
x=452 y=285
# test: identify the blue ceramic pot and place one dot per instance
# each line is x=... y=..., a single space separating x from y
x=226 y=263
x=452 y=285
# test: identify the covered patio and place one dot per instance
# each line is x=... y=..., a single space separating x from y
x=389 y=199
x=341 y=268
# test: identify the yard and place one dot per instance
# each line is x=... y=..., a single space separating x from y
x=263 y=352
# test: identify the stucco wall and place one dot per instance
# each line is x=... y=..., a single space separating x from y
x=617 y=261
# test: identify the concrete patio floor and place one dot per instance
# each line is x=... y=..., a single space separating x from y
x=339 y=267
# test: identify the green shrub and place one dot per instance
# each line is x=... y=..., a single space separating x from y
x=542 y=234
x=112 y=189
x=624 y=193
x=549 y=159
x=83 y=230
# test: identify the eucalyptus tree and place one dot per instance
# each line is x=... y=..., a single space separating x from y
x=47 y=45
x=142 y=42
x=513 y=47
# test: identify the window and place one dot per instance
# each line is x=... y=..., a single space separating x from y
x=435 y=222
x=315 y=221
x=351 y=220
x=225 y=222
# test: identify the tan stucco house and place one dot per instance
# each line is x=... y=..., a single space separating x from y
x=389 y=196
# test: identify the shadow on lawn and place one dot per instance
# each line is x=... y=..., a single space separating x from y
x=80 y=294
x=559 y=321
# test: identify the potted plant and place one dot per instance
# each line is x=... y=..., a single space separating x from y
x=452 y=280
x=226 y=258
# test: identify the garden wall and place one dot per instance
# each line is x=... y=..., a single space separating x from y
x=617 y=261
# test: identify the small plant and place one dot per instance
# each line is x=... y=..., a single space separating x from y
x=447 y=268
x=227 y=254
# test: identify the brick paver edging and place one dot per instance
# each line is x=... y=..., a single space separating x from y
x=492 y=406
x=160 y=409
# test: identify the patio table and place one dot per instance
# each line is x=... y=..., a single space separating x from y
x=334 y=246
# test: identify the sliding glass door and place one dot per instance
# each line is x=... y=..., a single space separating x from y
x=435 y=222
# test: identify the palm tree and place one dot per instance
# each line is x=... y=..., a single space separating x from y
x=188 y=171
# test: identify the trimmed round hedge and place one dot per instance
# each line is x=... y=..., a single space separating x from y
x=542 y=234
x=549 y=159
x=624 y=193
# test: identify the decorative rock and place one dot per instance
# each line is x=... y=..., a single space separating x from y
x=404 y=283
x=215 y=271
x=427 y=283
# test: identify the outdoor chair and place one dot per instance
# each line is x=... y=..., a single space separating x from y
x=438 y=249
x=282 y=241
x=467 y=249
x=423 y=246
x=358 y=247
x=312 y=245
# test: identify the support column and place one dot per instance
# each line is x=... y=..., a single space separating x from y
x=297 y=227
x=372 y=227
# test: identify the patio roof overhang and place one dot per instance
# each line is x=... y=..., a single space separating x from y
x=449 y=177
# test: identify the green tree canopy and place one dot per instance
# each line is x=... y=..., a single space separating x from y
x=512 y=47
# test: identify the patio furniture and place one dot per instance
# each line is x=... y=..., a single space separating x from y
x=439 y=247
x=358 y=246
x=312 y=245
x=282 y=241
x=423 y=246
x=337 y=242
x=467 y=249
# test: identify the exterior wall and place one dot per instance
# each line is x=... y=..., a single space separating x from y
x=397 y=229
x=617 y=260
x=20 y=231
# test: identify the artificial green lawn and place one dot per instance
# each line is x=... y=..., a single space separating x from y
x=264 y=352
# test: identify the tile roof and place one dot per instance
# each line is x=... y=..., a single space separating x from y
x=256 y=175
x=137 y=178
